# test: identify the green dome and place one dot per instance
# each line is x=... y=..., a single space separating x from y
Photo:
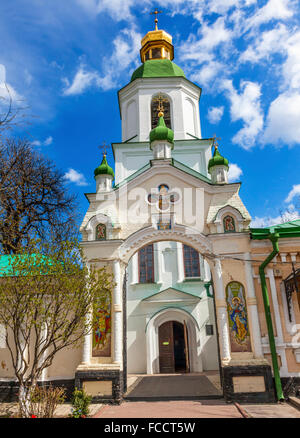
x=104 y=168
x=161 y=132
x=157 y=68
x=217 y=160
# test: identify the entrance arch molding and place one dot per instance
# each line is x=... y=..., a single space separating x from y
x=179 y=233
x=152 y=342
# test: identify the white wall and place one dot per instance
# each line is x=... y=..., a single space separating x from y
x=139 y=312
x=184 y=100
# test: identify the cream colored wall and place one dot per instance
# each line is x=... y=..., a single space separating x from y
x=259 y=251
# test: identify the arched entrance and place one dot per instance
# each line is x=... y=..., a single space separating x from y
x=160 y=329
x=173 y=348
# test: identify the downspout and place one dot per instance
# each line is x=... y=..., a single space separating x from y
x=274 y=239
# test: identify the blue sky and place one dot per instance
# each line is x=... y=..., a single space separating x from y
x=67 y=60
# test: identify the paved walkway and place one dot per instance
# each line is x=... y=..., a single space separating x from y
x=172 y=387
x=171 y=409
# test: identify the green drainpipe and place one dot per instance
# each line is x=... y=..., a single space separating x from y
x=207 y=286
x=274 y=239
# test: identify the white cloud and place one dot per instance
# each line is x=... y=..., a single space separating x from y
x=75 y=177
x=200 y=47
x=283 y=120
x=294 y=192
x=83 y=79
x=46 y=142
x=274 y=9
x=234 y=172
x=268 y=221
x=267 y=43
x=126 y=50
x=245 y=106
x=6 y=90
x=117 y=9
x=291 y=67
x=215 y=113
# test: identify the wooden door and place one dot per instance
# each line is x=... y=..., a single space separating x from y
x=166 y=348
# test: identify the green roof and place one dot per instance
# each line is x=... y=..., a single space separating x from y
x=161 y=132
x=104 y=168
x=287 y=229
x=217 y=160
x=7 y=267
x=157 y=68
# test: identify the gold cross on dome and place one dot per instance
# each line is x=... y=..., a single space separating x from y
x=104 y=148
x=214 y=139
x=160 y=99
x=156 y=19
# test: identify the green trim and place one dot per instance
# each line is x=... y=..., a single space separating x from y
x=172 y=307
x=286 y=230
x=191 y=279
x=157 y=68
x=274 y=239
x=126 y=141
x=132 y=176
x=186 y=169
x=207 y=286
x=174 y=288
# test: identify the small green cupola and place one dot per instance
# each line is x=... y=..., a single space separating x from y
x=218 y=167
x=104 y=176
x=161 y=139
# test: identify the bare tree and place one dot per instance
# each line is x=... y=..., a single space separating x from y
x=47 y=303
x=33 y=197
x=12 y=113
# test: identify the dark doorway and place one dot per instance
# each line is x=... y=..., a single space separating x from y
x=173 y=348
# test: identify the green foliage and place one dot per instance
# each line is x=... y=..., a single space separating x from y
x=48 y=297
x=80 y=404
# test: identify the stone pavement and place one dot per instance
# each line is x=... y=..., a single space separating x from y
x=276 y=410
x=171 y=409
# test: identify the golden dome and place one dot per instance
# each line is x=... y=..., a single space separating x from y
x=157 y=44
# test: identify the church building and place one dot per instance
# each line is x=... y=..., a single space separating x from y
x=196 y=290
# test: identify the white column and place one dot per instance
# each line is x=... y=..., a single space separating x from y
x=222 y=316
x=207 y=273
x=252 y=309
x=180 y=267
x=135 y=268
x=279 y=340
x=157 y=262
x=270 y=274
x=117 y=314
x=87 y=344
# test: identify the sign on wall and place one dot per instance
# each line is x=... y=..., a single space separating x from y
x=238 y=318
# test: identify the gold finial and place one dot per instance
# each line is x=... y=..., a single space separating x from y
x=104 y=147
x=160 y=108
x=156 y=19
x=214 y=139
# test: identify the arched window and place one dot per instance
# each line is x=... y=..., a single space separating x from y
x=191 y=262
x=101 y=232
x=229 y=224
x=154 y=111
x=146 y=264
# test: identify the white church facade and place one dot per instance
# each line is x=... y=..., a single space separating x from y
x=196 y=290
